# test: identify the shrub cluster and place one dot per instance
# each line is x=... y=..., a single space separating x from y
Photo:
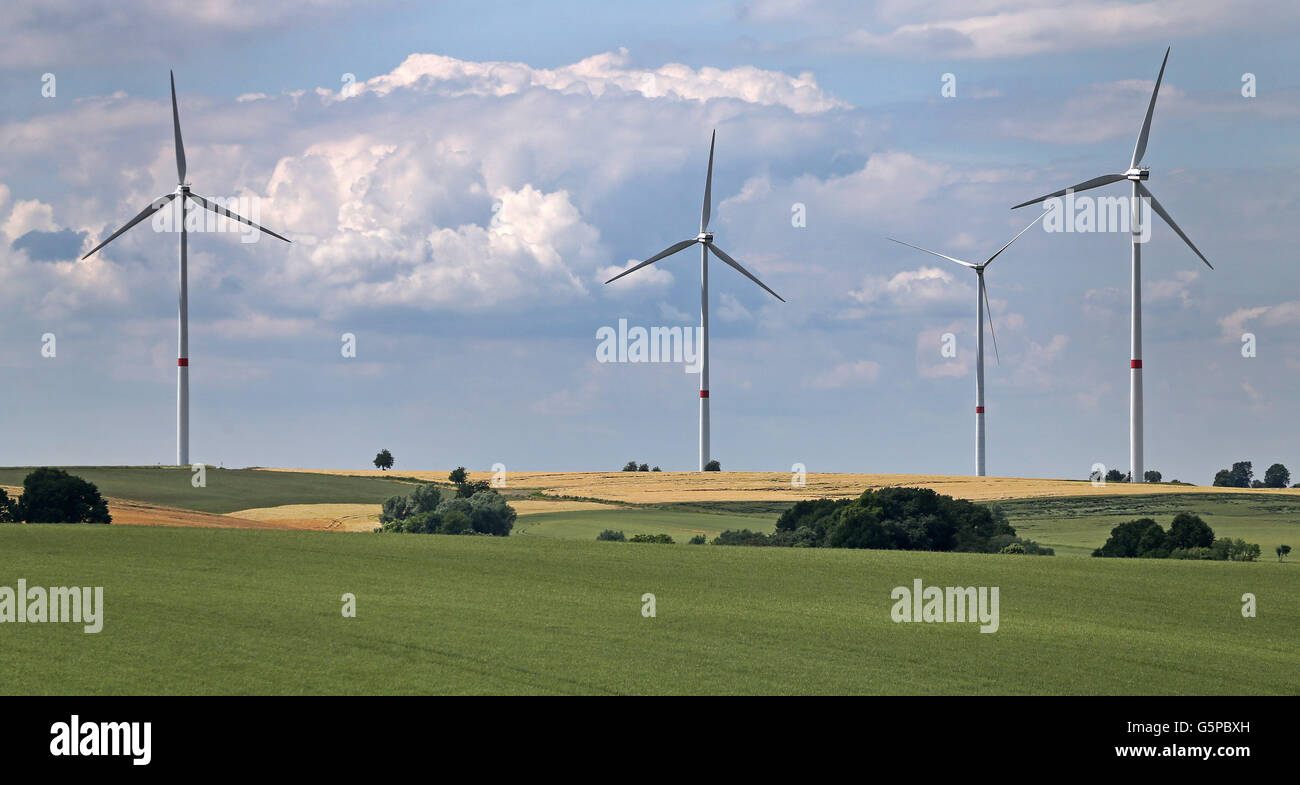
x=912 y=519
x=425 y=511
x=1188 y=537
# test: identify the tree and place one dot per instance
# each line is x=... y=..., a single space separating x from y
x=1282 y=552
x=609 y=535
x=645 y=467
x=630 y=466
x=655 y=469
x=468 y=489
x=384 y=460
x=1151 y=475
x=1114 y=475
x=1125 y=539
x=1277 y=476
x=425 y=498
x=458 y=475
x=1257 y=483
x=713 y=466
x=54 y=496
x=1239 y=476
x=1189 y=531
x=6 y=508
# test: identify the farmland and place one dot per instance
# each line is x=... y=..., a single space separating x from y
x=213 y=611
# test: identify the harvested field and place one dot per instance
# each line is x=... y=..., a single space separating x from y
x=667 y=487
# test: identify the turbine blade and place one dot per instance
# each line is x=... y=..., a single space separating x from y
x=933 y=253
x=708 y=188
x=1169 y=219
x=1017 y=237
x=1105 y=179
x=1140 y=148
x=723 y=256
x=989 y=310
x=219 y=210
x=176 y=125
x=669 y=251
x=154 y=206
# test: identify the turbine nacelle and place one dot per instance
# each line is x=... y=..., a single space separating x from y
x=704 y=237
x=1138 y=173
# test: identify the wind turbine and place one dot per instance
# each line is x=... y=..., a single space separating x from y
x=981 y=300
x=1135 y=174
x=705 y=240
x=183 y=193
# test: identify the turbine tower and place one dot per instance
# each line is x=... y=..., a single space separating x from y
x=705 y=240
x=1136 y=175
x=981 y=300
x=184 y=194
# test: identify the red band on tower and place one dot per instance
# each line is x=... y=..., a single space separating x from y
x=1135 y=364
x=704 y=393
x=979 y=409
x=183 y=362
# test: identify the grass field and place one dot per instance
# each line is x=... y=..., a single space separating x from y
x=193 y=611
x=1075 y=526
x=228 y=490
x=681 y=526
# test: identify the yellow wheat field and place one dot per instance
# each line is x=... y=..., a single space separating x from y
x=653 y=487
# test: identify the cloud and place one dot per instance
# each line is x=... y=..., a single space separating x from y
x=139 y=30
x=1235 y=324
x=910 y=288
x=731 y=309
x=599 y=74
x=989 y=29
x=930 y=362
x=859 y=373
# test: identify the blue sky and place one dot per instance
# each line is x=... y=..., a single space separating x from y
x=458 y=210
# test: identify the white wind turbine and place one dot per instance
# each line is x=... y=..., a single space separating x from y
x=1135 y=174
x=183 y=329
x=705 y=240
x=981 y=300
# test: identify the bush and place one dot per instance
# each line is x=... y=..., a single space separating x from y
x=630 y=466
x=1229 y=549
x=700 y=540
x=713 y=466
x=468 y=489
x=457 y=522
x=1191 y=553
x=740 y=537
x=54 y=496
x=609 y=535
x=1014 y=547
x=890 y=519
x=425 y=511
x=425 y=498
x=660 y=539
x=1124 y=539
x=394 y=508
x=655 y=469
x=6 y=508
x=1189 y=531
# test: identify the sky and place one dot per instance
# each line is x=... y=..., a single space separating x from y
x=460 y=178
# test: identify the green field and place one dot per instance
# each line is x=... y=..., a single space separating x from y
x=681 y=526
x=227 y=490
x=1075 y=526
x=234 y=611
